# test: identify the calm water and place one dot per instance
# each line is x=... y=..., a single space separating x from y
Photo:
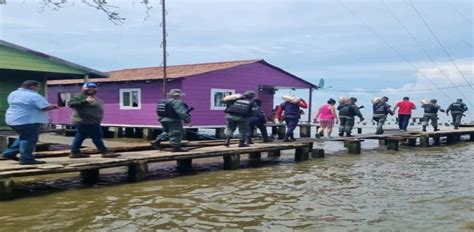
x=411 y=190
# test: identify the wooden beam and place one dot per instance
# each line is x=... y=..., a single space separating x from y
x=231 y=161
x=7 y=187
x=317 y=153
x=90 y=176
x=184 y=165
x=255 y=155
x=137 y=171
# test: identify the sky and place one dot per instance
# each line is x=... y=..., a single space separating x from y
x=363 y=48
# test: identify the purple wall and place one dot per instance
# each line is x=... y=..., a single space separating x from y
x=109 y=92
x=198 y=95
x=241 y=78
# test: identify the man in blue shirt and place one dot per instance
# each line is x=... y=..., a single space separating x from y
x=26 y=113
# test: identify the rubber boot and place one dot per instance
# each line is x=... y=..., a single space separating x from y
x=285 y=139
x=249 y=141
x=266 y=139
x=177 y=149
x=435 y=129
x=227 y=142
x=242 y=143
x=156 y=144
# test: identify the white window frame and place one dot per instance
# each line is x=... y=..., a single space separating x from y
x=139 y=107
x=213 y=92
x=67 y=100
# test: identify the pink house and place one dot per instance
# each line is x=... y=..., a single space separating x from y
x=131 y=95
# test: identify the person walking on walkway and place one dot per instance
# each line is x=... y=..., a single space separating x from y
x=326 y=116
x=347 y=111
x=405 y=108
x=457 y=111
x=431 y=114
x=291 y=110
x=87 y=116
x=381 y=109
x=257 y=120
x=238 y=112
x=26 y=112
x=172 y=112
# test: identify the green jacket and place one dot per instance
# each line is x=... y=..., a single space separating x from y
x=181 y=111
x=84 y=112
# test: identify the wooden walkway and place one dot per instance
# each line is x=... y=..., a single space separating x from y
x=394 y=138
x=137 y=162
x=137 y=156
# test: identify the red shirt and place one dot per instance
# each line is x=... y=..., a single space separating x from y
x=405 y=107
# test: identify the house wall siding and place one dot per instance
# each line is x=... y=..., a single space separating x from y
x=241 y=79
x=110 y=93
x=198 y=94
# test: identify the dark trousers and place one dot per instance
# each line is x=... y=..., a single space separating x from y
x=260 y=124
x=456 y=119
x=291 y=124
x=26 y=142
x=83 y=131
x=403 y=121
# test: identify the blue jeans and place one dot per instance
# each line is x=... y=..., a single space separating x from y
x=403 y=121
x=291 y=124
x=94 y=131
x=26 y=142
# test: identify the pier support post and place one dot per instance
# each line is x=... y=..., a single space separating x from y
x=393 y=144
x=305 y=131
x=275 y=153
x=425 y=140
x=117 y=132
x=450 y=139
x=302 y=153
x=471 y=137
x=6 y=189
x=129 y=132
x=184 y=165
x=137 y=171
x=220 y=133
x=255 y=155
x=382 y=142
x=281 y=131
x=231 y=161
x=354 y=147
x=411 y=142
x=359 y=130
x=317 y=153
x=90 y=176
x=437 y=140
x=346 y=143
x=148 y=134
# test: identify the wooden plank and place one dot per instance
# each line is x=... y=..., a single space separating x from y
x=96 y=162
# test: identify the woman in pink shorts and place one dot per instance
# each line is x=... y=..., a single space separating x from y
x=326 y=116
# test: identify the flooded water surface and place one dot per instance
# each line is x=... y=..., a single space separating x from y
x=418 y=189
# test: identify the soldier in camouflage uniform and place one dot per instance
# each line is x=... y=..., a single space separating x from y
x=457 y=110
x=238 y=115
x=172 y=112
x=430 y=113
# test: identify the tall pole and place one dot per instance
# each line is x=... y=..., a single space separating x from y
x=310 y=104
x=163 y=12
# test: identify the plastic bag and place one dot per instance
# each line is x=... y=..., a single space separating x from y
x=232 y=97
